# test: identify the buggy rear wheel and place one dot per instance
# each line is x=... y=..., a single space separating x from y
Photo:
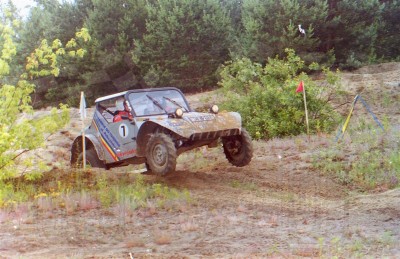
x=92 y=160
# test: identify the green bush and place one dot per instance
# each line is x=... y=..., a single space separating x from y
x=267 y=100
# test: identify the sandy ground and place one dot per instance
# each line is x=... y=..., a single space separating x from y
x=278 y=206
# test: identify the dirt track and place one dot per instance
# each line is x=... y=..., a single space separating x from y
x=278 y=206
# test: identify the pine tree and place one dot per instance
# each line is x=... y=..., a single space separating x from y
x=354 y=31
x=271 y=26
x=185 y=42
x=388 y=41
x=116 y=24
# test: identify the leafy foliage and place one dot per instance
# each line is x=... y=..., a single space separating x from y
x=51 y=20
x=266 y=97
x=56 y=22
x=44 y=60
x=20 y=133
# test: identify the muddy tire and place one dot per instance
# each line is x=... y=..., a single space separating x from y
x=238 y=149
x=161 y=154
x=92 y=160
x=148 y=170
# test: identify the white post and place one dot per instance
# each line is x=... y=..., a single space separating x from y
x=83 y=130
x=83 y=146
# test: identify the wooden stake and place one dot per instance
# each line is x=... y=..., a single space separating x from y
x=305 y=108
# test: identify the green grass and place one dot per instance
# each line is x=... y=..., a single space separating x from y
x=247 y=186
x=72 y=191
x=337 y=247
x=365 y=159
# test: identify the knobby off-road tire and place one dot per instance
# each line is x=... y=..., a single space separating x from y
x=148 y=170
x=92 y=160
x=161 y=154
x=238 y=149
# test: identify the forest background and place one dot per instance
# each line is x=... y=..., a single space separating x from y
x=184 y=43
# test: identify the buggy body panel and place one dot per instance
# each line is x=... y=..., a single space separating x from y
x=153 y=111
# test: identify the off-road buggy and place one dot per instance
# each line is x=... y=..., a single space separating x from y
x=158 y=126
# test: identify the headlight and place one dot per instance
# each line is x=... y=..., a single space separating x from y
x=179 y=113
x=214 y=109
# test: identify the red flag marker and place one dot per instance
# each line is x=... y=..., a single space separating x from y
x=300 y=87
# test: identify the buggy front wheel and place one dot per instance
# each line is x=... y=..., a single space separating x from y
x=161 y=154
x=238 y=149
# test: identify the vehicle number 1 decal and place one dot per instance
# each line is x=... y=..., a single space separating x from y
x=123 y=130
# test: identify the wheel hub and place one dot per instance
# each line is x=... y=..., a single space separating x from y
x=160 y=154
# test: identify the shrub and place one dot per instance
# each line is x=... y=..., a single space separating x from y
x=267 y=100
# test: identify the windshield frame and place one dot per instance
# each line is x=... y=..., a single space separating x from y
x=139 y=100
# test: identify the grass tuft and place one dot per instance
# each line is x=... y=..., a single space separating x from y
x=370 y=160
x=162 y=237
x=74 y=191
